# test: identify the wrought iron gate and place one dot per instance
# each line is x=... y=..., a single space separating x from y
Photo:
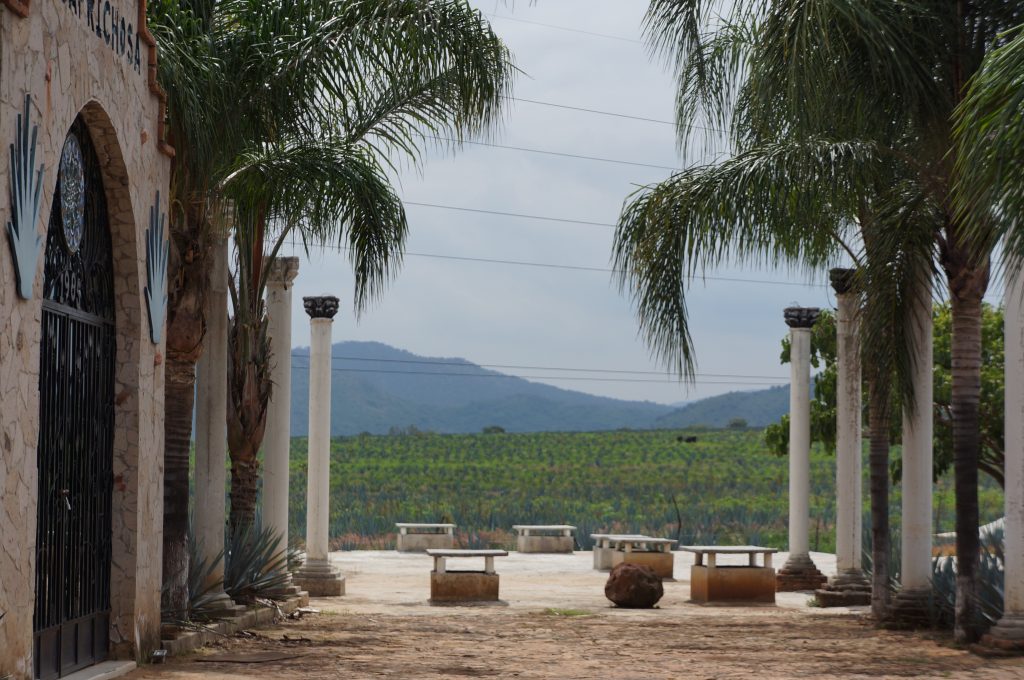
x=76 y=421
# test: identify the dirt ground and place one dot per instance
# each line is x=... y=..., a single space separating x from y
x=555 y=623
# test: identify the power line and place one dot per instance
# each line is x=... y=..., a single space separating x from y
x=545 y=265
x=614 y=114
x=538 y=368
x=533 y=377
x=596 y=111
x=564 y=28
x=556 y=153
x=511 y=214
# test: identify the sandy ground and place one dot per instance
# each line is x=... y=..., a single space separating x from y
x=556 y=623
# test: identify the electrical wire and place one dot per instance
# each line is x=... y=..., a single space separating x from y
x=538 y=368
x=563 y=28
x=556 y=153
x=534 y=377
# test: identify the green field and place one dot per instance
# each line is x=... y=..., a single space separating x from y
x=725 y=488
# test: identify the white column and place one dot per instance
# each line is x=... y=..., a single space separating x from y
x=848 y=431
x=1009 y=632
x=799 y=438
x=277 y=439
x=916 y=529
x=317 y=575
x=799 y=572
x=211 y=421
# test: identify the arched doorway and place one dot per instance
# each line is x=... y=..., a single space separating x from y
x=76 y=419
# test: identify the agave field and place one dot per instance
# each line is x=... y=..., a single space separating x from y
x=724 y=488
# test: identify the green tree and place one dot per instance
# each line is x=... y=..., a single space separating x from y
x=823 y=404
x=286 y=117
x=840 y=117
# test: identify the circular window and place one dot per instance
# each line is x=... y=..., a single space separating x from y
x=72 y=193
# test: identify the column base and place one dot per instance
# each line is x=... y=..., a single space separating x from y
x=223 y=607
x=910 y=610
x=286 y=590
x=1007 y=636
x=848 y=589
x=799 y=573
x=320 y=579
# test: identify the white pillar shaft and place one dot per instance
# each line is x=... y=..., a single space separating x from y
x=211 y=416
x=318 y=475
x=799 y=439
x=277 y=441
x=916 y=530
x=848 y=436
x=1014 y=470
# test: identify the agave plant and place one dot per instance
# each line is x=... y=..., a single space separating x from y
x=256 y=567
x=991 y=582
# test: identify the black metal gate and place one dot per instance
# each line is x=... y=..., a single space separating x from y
x=76 y=421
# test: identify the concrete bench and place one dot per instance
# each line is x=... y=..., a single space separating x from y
x=713 y=582
x=463 y=586
x=419 y=537
x=544 y=538
x=603 y=549
x=655 y=553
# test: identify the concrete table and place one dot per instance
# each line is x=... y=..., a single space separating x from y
x=463 y=586
x=544 y=538
x=655 y=553
x=713 y=582
x=603 y=549
x=419 y=537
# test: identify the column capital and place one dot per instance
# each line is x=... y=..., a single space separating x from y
x=842 y=279
x=801 y=317
x=283 y=271
x=321 y=306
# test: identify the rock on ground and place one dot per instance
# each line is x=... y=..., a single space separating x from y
x=634 y=586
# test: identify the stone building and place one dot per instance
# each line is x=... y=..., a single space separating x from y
x=84 y=178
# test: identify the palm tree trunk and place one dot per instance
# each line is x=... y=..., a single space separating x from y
x=179 y=396
x=245 y=474
x=878 y=425
x=966 y=390
x=185 y=328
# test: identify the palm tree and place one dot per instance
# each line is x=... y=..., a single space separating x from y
x=286 y=115
x=840 y=116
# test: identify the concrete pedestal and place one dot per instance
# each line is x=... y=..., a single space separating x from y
x=540 y=538
x=662 y=563
x=463 y=586
x=732 y=584
x=422 y=537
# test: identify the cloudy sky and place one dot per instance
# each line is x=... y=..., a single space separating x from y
x=509 y=314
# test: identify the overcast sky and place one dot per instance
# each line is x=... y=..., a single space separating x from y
x=492 y=313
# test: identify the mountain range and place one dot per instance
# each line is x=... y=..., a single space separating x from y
x=376 y=388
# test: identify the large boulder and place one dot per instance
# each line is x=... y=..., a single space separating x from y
x=633 y=586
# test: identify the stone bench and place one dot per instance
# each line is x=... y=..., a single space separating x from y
x=713 y=582
x=655 y=553
x=603 y=549
x=448 y=586
x=544 y=538
x=414 y=537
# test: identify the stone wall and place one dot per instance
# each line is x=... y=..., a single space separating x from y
x=88 y=57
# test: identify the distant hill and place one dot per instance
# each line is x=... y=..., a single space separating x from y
x=759 y=408
x=375 y=387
